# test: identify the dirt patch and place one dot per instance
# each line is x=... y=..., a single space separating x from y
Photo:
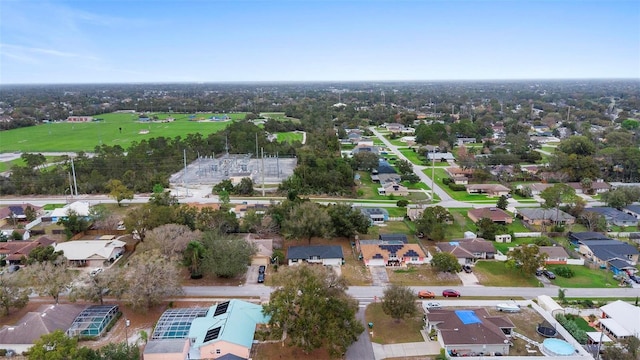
x=279 y=351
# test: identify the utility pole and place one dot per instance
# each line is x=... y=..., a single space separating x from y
x=75 y=183
x=433 y=176
x=263 y=172
x=184 y=177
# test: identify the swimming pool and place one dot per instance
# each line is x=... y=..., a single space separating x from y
x=557 y=347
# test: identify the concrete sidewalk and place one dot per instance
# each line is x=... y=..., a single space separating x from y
x=425 y=348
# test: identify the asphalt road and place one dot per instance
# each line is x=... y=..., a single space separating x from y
x=362 y=348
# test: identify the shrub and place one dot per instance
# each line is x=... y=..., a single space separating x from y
x=446 y=181
x=402 y=203
x=457 y=187
x=573 y=328
x=564 y=271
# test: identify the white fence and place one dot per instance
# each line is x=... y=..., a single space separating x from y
x=575 y=261
x=527 y=234
x=35 y=222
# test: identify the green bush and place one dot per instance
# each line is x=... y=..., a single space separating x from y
x=402 y=203
x=457 y=187
x=3 y=352
x=564 y=271
x=446 y=181
x=573 y=328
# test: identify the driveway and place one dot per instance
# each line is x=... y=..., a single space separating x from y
x=252 y=275
x=379 y=275
x=362 y=348
x=468 y=279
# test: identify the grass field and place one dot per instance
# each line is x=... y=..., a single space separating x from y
x=457 y=195
x=413 y=157
x=289 y=137
x=495 y=273
x=114 y=129
x=586 y=278
x=279 y=116
x=389 y=331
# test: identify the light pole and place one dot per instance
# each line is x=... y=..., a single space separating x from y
x=127 y=323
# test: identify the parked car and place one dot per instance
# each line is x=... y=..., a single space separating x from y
x=426 y=294
x=95 y=271
x=13 y=268
x=262 y=269
x=635 y=278
x=539 y=272
x=261 y=278
x=450 y=293
x=467 y=269
x=549 y=274
x=431 y=305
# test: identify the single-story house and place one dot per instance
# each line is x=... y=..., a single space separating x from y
x=14 y=251
x=45 y=320
x=494 y=214
x=365 y=149
x=597 y=187
x=223 y=331
x=242 y=209
x=633 y=210
x=390 y=250
x=614 y=216
x=620 y=319
x=489 y=189
x=395 y=127
x=440 y=156
x=460 y=180
x=576 y=237
x=385 y=168
x=376 y=215
x=414 y=213
x=537 y=188
x=393 y=189
x=17 y=212
x=467 y=251
x=264 y=249
x=385 y=179
x=315 y=254
x=465 y=140
x=555 y=254
x=457 y=171
x=540 y=216
x=470 y=332
x=91 y=253
x=81 y=208
x=602 y=251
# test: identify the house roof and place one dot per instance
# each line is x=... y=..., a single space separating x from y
x=85 y=249
x=554 y=252
x=487 y=187
x=235 y=325
x=609 y=249
x=620 y=264
x=374 y=211
x=45 y=320
x=385 y=168
x=81 y=208
x=587 y=235
x=455 y=329
x=383 y=251
x=625 y=314
x=540 y=187
x=633 y=208
x=465 y=248
x=493 y=213
x=545 y=214
x=15 y=250
x=393 y=237
x=321 y=251
x=165 y=346
x=439 y=156
x=612 y=213
x=17 y=210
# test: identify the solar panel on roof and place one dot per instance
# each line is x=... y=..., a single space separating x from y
x=212 y=334
x=221 y=308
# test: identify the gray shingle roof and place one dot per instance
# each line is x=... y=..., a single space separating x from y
x=609 y=249
x=321 y=251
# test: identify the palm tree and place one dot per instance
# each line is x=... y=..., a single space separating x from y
x=193 y=256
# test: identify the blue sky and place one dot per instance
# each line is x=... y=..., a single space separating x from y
x=111 y=41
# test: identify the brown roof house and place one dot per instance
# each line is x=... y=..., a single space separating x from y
x=393 y=189
x=264 y=249
x=468 y=250
x=555 y=254
x=470 y=332
x=390 y=253
x=539 y=216
x=14 y=251
x=495 y=214
x=47 y=319
x=489 y=189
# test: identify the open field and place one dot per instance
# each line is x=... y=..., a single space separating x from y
x=422 y=275
x=495 y=273
x=289 y=137
x=114 y=129
x=585 y=278
x=279 y=116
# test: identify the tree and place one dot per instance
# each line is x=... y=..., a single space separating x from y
x=48 y=279
x=118 y=191
x=593 y=221
x=434 y=222
x=404 y=167
x=557 y=194
x=30 y=213
x=150 y=279
x=365 y=160
x=488 y=230
x=502 y=203
x=73 y=223
x=445 y=262
x=97 y=286
x=169 y=239
x=221 y=221
x=306 y=220
x=399 y=302
x=12 y=294
x=55 y=346
x=311 y=309
x=119 y=351
x=226 y=256
x=347 y=221
x=621 y=197
x=258 y=223
x=245 y=187
x=527 y=258
x=42 y=254
x=193 y=257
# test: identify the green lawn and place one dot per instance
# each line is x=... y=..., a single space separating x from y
x=582 y=324
x=114 y=129
x=7 y=165
x=461 y=223
x=389 y=331
x=495 y=273
x=504 y=247
x=413 y=157
x=457 y=195
x=279 y=116
x=289 y=137
x=585 y=278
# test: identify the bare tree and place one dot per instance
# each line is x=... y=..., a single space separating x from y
x=48 y=279
x=170 y=239
x=151 y=278
x=12 y=293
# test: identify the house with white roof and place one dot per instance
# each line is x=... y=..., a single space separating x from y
x=91 y=253
x=81 y=208
x=620 y=319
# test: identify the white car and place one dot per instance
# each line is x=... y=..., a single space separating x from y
x=431 y=305
x=95 y=271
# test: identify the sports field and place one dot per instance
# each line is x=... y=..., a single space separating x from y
x=289 y=137
x=114 y=129
x=279 y=116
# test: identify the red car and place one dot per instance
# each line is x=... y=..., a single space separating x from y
x=450 y=293
x=426 y=294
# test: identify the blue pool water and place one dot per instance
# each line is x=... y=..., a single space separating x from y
x=557 y=347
